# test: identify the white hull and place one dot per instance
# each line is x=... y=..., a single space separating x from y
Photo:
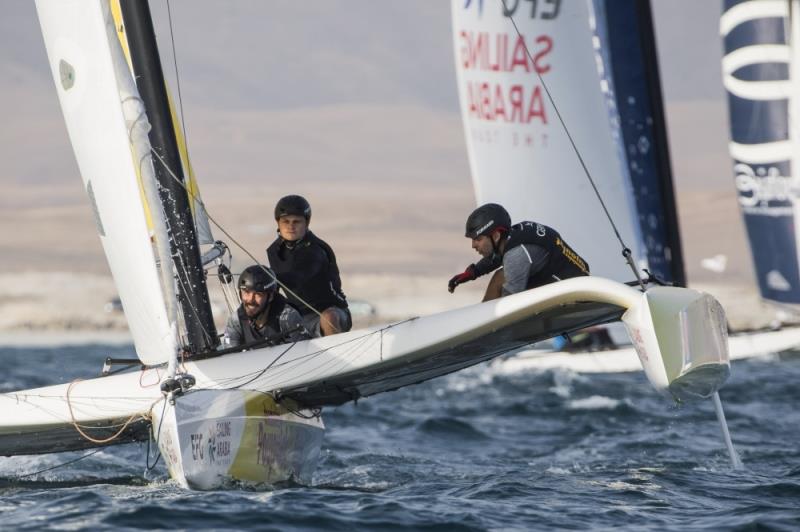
x=240 y=421
x=625 y=359
x=371 y=360
x=212 y=439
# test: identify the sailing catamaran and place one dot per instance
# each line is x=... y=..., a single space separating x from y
x=251 y=414
x=599 y=62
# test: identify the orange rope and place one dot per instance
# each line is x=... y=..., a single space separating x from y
x=86 y=436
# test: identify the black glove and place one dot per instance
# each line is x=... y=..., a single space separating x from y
x=469 y=275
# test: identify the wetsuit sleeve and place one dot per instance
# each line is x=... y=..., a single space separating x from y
x=519 y=264
x=488 y=264
x=233 y=331
x=290 y=320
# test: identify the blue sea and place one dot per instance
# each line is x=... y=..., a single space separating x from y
x=470 y=451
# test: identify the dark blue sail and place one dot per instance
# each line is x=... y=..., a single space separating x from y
x=756 y=73
x=628 y=50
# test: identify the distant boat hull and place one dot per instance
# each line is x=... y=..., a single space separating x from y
x=214 y=439
x=624 y=359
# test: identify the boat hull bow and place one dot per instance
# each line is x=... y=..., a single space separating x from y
x=212 y=439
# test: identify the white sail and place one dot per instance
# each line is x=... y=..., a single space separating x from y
x=519 y=153
x=107 y=127
x=199 y=214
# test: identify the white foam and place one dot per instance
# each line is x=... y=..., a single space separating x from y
x=595 y=402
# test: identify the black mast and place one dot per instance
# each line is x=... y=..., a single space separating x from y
x=640 y=105
x=192 y=290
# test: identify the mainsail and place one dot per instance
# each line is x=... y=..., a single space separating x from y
x=597 y=59
x=102 y=108
x=204 y=234
x=760 y=72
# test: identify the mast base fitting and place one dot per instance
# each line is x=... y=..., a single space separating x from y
x=177 y=385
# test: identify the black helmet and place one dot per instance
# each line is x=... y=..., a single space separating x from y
x=486 y=219
x=257 y=278
x=293 y=205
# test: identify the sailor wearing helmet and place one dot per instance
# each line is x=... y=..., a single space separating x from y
x=307 y=270
x=264 y=313
x=531 y=254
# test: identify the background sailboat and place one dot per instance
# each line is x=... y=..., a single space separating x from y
x=760 y=73
x=600 y=58
x=520 y=154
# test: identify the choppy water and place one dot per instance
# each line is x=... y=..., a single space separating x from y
x=470 y=451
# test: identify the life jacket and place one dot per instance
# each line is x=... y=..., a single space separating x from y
x=308 y=267
x=562 y=263
x=271 y=328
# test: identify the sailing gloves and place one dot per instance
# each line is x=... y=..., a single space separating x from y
x=470 y=274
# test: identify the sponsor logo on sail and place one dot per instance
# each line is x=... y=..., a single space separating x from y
x=67 y=74
x=478 y=3
x=764 y=191
x=543 y=9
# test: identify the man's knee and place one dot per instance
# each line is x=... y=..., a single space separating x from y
x=331 y=317
x=334 y=320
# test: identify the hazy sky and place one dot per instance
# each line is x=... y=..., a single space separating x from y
x=287 y=55
x=292 y=96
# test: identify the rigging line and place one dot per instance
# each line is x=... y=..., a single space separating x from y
x=148 y=467
x=68 y=462
x=292 y=364
x=626 y=252
x=177 y=80
x=289 y=365
x=229 y=383
x=176 y=257
x=86 y=436
x=268 y=366
x=183 y=282
x=341 y=360
x=196 y=198
x=227 y=234
x=277 y=378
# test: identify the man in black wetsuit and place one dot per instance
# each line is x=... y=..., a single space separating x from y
x=307 y=271
x=531 y=254
x=264 y=313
